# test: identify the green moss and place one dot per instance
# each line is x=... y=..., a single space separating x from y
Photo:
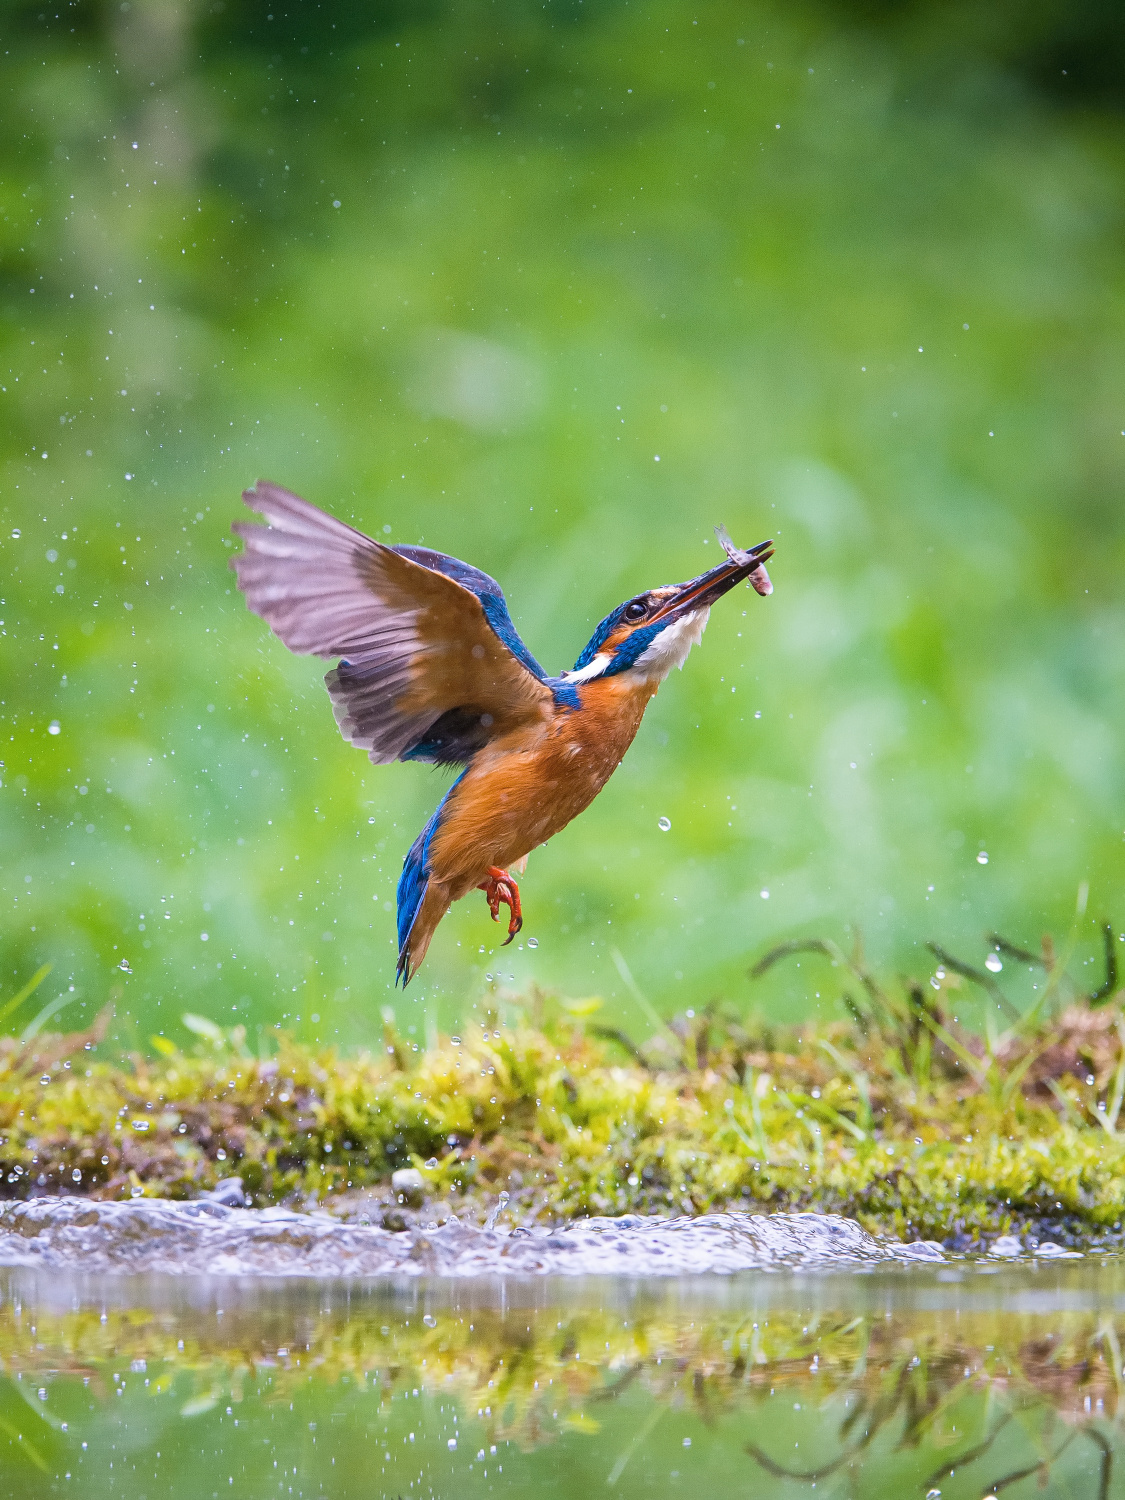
x=898 y=1117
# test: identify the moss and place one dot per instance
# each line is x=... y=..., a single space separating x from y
x=897 y=1117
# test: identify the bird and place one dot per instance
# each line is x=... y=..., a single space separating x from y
x=430 y=668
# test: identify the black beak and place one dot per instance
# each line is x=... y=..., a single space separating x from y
x=702 y=592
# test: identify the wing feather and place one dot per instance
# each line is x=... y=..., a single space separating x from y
x=412 y=627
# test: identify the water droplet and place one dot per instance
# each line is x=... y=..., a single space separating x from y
x=76 y=1175
x=371 y=820
x=45 y=1079
x=533 y=942
x=982 y=858
x=53 y=727
x=431 y=1165
x=124 y=966
x=15 y=533
x=664 y=824
x=993 y=963
x=765 y=895
x=203 y=937
x=488 y=979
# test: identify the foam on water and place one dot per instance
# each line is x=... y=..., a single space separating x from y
x=207 y=1238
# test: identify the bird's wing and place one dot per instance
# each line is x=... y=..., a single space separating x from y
x=432 y=667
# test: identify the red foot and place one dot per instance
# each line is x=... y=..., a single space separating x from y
x=500 y=887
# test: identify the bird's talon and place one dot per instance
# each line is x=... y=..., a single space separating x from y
x=500 y=887
x=514 y=926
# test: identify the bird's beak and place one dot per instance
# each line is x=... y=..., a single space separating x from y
x=701 y=592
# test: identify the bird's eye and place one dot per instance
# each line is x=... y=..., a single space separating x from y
x=636 y=610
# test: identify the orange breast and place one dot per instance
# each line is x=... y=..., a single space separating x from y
x=529 y=784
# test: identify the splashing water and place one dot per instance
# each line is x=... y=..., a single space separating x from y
x=501 y=1205
x=208 y=1238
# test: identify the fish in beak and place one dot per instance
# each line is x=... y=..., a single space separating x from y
x=701 y=592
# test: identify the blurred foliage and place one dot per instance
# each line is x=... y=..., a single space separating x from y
x=902 y=1118
x=853 y=272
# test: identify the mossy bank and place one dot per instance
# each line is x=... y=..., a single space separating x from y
x=897 y=1117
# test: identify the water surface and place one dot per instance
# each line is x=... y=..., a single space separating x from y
x=206 y=1237
x=965 y=1378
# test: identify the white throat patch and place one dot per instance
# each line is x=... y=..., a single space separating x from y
x=670 y=648
x=593 y=668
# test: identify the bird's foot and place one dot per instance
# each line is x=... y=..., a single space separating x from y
x=500 y=887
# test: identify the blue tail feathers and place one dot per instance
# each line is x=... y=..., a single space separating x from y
x=412 y=884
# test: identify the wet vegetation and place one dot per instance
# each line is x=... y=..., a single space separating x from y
x=902 y=1116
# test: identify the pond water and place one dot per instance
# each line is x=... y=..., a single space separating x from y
x=863 y=1376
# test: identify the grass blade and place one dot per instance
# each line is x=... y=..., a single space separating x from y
x=29 y=989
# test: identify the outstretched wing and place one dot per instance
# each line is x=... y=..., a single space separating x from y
x=432 y=667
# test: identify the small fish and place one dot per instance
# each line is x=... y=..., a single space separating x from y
x=759 y=577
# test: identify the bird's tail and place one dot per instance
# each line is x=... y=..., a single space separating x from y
x=432 y=905
x=422 y=900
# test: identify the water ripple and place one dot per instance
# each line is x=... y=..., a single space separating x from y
x=207 y=1238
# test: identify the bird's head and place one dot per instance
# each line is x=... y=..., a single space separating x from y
x=653 y=632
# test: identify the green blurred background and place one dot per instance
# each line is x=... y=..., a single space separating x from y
x=554 y=287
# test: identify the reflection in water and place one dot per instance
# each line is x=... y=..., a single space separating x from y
x=968 y=1380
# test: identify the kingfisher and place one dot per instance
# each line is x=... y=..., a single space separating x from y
x=431 y=668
